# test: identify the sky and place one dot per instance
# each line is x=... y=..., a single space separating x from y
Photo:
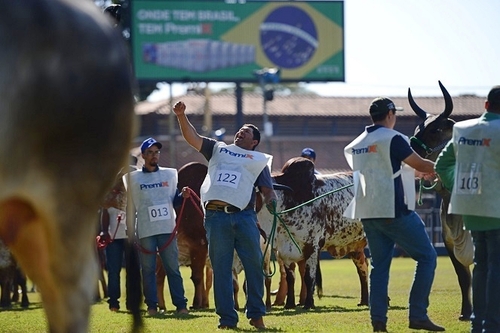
x=391 y=45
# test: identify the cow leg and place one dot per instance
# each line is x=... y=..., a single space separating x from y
x=290 y=280
x=209 y=275
x=319 y=280
x=283 y=286
x=236 y=289
x=6 y=287
x=465 y=283
x=20 y=280
x=303 y=288
x=160 y=283
x=197 y=276
x=267 y=283
x=309 y=280
x=360 y=261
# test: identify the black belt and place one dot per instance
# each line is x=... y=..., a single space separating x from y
x=221 y=208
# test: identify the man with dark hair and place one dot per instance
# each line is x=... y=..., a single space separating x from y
x=228 y=198
x=384 y=199
x=470 y=167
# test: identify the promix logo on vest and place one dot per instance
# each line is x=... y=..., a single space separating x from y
x=153 y=185
x=227 y=151
x=365 y=150
x=474 y=142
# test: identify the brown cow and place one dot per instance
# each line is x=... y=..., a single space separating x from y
x=66 y=118
x=191 y=237
x=316 y=226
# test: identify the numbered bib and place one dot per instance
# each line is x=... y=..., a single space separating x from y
x=228 y=178
x=468 y=180
x=158 y=212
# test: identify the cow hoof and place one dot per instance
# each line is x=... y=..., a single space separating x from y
x=464 y=318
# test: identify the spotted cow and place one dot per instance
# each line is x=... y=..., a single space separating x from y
x=66 y=118
x=316 y=226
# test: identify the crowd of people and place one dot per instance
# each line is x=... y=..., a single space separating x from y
x=384 y=167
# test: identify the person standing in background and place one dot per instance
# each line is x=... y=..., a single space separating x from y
x=154 y=195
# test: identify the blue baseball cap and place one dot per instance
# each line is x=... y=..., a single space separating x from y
x=308 y=152
x=148 y=143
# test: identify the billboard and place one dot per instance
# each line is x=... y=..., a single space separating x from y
x=225 y=41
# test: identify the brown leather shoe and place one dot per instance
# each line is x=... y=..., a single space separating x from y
x=257 y=323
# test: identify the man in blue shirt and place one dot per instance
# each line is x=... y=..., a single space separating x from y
x=384 y=198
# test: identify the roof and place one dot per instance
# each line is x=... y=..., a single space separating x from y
x=309 y=105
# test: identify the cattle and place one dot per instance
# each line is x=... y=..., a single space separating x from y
x=428 y=140
x=283 y=289
x=11 y=277
x=191 y=237
x=316 y=226
x=67 y=122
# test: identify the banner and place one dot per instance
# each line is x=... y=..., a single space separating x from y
x=217 y=41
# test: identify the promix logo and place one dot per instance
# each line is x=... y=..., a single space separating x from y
x=153 y=185
x=365 y=150
x=485 y=142
x=227 y=151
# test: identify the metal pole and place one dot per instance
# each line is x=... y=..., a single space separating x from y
x=171 y=130
x=265 y=117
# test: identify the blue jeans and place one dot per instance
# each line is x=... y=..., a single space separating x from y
x=485 y=284
x=226 y=233
x=114 y=259
x=409 y=233
x=170 y=260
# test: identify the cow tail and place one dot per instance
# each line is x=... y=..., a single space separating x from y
x=133 y=286
x=319 y=281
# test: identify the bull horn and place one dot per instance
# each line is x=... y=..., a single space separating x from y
x=448 y=102
x=420 y=112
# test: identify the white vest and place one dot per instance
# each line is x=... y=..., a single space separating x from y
x=369 y=156
x=232 y=172
x=153 y=195
x=117 y=229
x=477 y=178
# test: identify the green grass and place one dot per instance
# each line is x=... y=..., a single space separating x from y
x=337 y=311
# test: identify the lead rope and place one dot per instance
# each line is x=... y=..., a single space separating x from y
x=101 y=244
x=196 y=202
x=421 y=188
x=276 y=217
